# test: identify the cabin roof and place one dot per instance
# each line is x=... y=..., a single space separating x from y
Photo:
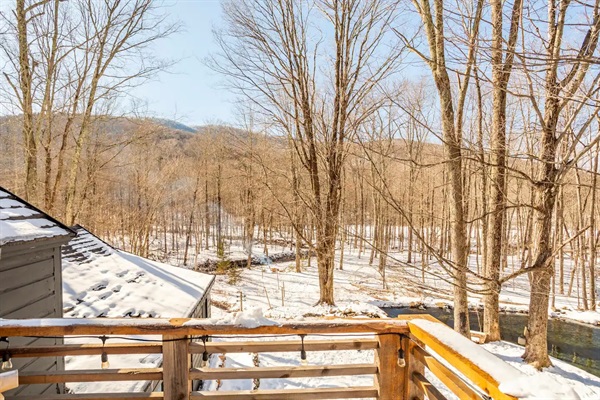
x=102 y=281
x=22 y=222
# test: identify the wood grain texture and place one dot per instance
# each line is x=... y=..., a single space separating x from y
x=92 y=375
x=176 y=368
x=190 y=327
x=411 y=390
x=285 y=346
x=444 y=374
x=389 y=379
x=431 y=391
x=93 y=396
x=290 y=394
x=283 y=372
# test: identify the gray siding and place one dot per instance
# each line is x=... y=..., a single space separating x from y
x=31 y=287
x=29 y=280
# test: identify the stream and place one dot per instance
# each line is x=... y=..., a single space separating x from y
x=574 y=343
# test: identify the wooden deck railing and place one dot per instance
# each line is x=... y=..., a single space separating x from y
x=402 y=352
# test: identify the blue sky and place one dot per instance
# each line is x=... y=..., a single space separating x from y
x=189 y=92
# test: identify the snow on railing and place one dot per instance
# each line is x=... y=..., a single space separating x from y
x=450 y=349
x=402 y=348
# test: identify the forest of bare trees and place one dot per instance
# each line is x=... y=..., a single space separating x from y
x=444 y=131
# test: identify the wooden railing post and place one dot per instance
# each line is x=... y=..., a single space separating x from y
x=176 y=367
x=389 y=379
x=411 y=390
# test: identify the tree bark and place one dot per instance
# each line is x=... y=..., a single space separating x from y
x=26 y=98
x=500 y=76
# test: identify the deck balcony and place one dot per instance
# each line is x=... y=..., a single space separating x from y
x=403 y=350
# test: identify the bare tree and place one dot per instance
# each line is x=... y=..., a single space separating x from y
x=270 y=53
x=502 y=62
x=432 y=14
x=563 y=114
x=113 y=32
x=23 y=87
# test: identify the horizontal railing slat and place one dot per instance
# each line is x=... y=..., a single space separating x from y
x=92 y=375
x=86 y=349
x=431 y=391
x=190 y=327
x=444 y=374
x=92 y=396
x=283 y=372
x=285 y=346
x=290 y=394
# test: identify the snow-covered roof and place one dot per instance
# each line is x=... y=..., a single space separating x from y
x=22 y=222
x=101 y=281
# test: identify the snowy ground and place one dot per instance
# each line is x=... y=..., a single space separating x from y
x=284 y=294
x=361 y=283
x=408 y=283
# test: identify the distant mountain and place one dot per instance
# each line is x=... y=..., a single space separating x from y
x=169 y=123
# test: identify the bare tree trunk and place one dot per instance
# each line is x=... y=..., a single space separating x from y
x=580 y=240
x=593 y=241
x=188 y=235
x=501 y=74
x=343 y=234
x=26 y=98
x=558 y=95
x=220 y=244
x=451 y=118
x=206 y=207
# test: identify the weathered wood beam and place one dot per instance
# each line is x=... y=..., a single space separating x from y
x=92 y=375
x=189 y=327
x=283 y=372
x=431 y=391
x=444 y=374
x=93 y=396
x=290 y=394
x=285 y=346
x=86 y=349
x=411 y=390
x=390 y=377
x=176 y=368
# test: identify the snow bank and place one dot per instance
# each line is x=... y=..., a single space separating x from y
x=561 y=381
x=251 y=318
x=341 y=310
x=542 y=387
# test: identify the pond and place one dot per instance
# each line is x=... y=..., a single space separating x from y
x=574 y=343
